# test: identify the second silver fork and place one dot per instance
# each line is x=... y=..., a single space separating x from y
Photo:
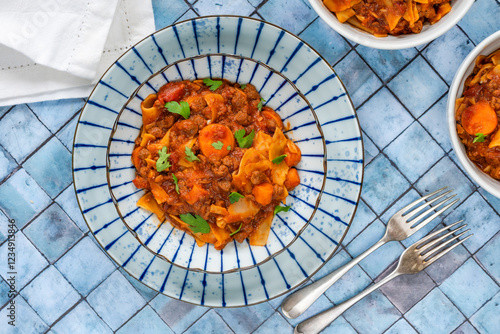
x=400 y=226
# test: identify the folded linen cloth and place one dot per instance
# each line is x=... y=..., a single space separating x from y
x=54 y=49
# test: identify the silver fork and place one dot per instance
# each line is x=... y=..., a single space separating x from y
x=413 y=260
x=400 y=226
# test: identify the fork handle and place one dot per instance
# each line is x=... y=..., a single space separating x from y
x=320 y=321
x=299 y=301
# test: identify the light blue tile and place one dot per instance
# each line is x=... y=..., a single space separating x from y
x=52 y=177
x=82 y=319
x=406 y=152
x=7 y=163
x=275 y=324
x=166 y=12
x=326 y=41
x=254 y=3
x=50 y=295
x=247 y=319
x=447 y=52
x=372 y=314
x=27 y=321
x=434 y=121
x=371 y=151
x=469 y=287
x=5 y=229
x=320 y=305
x=178 y=315
x=418 y=86
x=67 y=201
x=379 y=260
x=115 y=290
x=53 y=233
x=486 y=320
x=488 y=256
x=440 y=270
x=67 y=133
x=4 y=110
x=223 y=7
x=445 y=174
x=7 y=292
x=382 y=184
x=301 y=14
x=386 y=63
x=401 y=327
x=187 y=16
x=434 y=314
x=144 y=290
x=481 y=219
x=54 y=114
x=19 y=123
x=481 y=20
x=28 y=265
x=340 y=325
x=210 y=323
x=492 y=200
x=21 y=198
x=466 y=328
x=383 y=118
x=359 y=79
x=146 y=321
x=85 y=266
x=364 y=216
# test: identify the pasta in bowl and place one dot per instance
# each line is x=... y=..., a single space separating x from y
x=214 y=163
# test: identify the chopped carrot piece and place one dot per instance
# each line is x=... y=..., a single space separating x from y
x=158 y=192
x=292 y=179
x=195 y=194
x=293 y=154
x=214 y=141
x=135 y=157
x=263 y=193
x=479 y=118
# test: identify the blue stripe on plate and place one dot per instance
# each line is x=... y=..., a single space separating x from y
x=320 y=209
x=131 y=256
x=217 y=26
x=299 y=46
x=90 y=145
x=287 y=100
x=317 y=60
x=240 y=20
x=259 y=31
x=160 y=50
x=271 y=53
x=187 y=271
x=132 y=77
x=122 y=141
x=222 y=280
x=154 y=257
x=195 y=34
x=128 y=125
x=121 y=184
x=330 y=177
x=132 y=110
x=127 y=196
x=315 y=87
x=296 y=113
x=108 y=246
x=121 y=168
x=339 y=120
x=290 y=253
x=170 y=269
x=300 y=126
x=78 y=191
x=142 y=59
x=335 y=98
x=143 y=222
x=94 y=125
x=241 y=275
x=107 y=224
x=268 y=76
x=346 y=160
x=276 y=91
x=112 y=88
x=92 y=103
x=96 y=206
x=204 y=282
x=87 y=168
x=288 y=286
x=262 y=281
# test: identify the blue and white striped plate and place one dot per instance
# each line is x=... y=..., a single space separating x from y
x=319 y=239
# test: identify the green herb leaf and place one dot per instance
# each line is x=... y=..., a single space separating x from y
x=239 y=228
x=479 y=138
x=244 y=142
x=279 y=159
x=228 y=147
x=196 y=223
x=243 y=86
x=190 y=155
x=176 y=180
x=179 y=108
x=162 y=163
x=235 y=197
x=213 y=84
x=259 y=106
x=218 y=145
x=280 y=208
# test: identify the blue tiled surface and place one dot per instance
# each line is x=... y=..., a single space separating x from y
x=67 y=284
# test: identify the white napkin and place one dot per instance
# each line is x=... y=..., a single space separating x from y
x=55 y=49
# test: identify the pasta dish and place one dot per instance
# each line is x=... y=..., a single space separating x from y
x=477 y=114
x=214 y=161
x=389 y=17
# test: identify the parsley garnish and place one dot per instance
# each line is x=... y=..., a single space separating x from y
x=179 y=108
x=244 y=142
x=176 y=180
x=218 y=145
x=243 y=86
x=239 y=228
x=479 y=138
x=280 y=208
x=213 y=84
x=235 y=197
x=228 y=147
x=279 y=159
x=259 y=106
x=162 y=163
x=190 y=155
x=196 y=223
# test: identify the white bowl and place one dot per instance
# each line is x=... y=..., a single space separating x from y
x=428 y=33
x=486 y=47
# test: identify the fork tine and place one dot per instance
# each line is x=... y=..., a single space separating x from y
x=435 y=241
x=429 y=219
x=434 y=251
x=412 y=204
x=443 y=252
x=416 y=210
x=424 y=240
